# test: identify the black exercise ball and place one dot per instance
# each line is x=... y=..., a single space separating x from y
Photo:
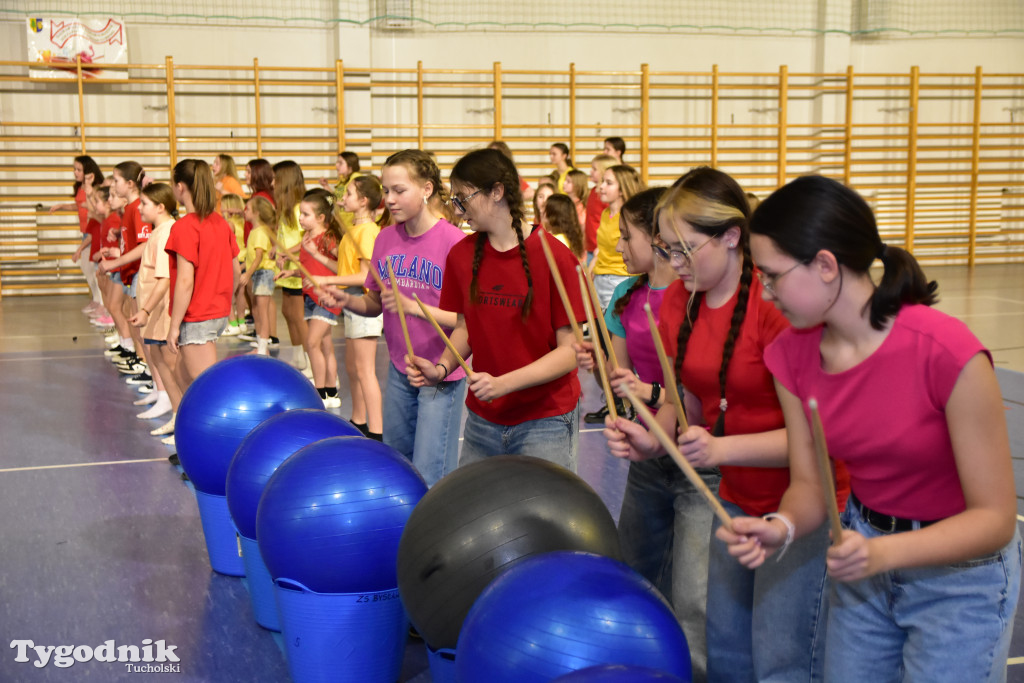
x=482 y=519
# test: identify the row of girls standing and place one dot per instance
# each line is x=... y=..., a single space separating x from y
x=868 y=612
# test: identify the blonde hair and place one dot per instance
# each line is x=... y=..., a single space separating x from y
x=227 y=167
x=263 y=211
x=232 y=202
x=628 y=180
x=604 y=162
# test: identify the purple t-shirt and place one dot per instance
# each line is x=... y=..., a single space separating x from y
x=632 y=325
x=885 y=417
x=419 y=267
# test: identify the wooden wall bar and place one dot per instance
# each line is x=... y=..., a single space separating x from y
x=937 y=154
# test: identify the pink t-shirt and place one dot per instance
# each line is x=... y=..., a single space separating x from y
x=632 y=325
x=885 y=417
x=419 y=264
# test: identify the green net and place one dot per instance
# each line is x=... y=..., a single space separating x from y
x=857 y=18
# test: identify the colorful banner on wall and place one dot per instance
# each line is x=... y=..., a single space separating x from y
x=55 y=44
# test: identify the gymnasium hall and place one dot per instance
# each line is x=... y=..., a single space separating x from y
x=915 y=105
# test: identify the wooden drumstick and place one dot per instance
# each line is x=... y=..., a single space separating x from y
x=444 y=337
x=667 y=373
x=670 y=446
x=600 y=318
x=560 y=286
x=398 y=305
x=825 y=471
x=609 y=397
x=280 y=247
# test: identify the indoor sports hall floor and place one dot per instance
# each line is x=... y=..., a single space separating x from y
x=100 y=539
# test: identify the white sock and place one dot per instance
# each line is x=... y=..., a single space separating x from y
x=299 y=357
x=127 y=344
x=261 y=346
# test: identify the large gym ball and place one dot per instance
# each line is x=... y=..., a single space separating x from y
x=563 y=611
x=267 y=446
x=619 y=673
x=223 y=405
x=331 y=516
x=480 y=520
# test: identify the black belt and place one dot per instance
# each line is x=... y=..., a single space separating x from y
x=887 y=523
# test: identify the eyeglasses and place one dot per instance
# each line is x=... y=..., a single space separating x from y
x=460 y=204
x=685 y=254
x=769 y=281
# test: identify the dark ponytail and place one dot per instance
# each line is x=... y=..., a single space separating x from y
x=814 y=213
x=639 y=212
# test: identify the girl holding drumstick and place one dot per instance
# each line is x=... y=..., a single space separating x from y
x=926 y=575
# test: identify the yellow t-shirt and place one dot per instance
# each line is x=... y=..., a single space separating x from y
x=561 y=179
x=239 y=227
x=609 y=261
x=289 y=236
x=259 y=239
x=339 y=193
x=363 y=235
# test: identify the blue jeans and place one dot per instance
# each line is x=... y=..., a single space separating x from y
x=664 y=529
x=556 y=439
x=423 y=424
x=945 y=623
x=768 y=624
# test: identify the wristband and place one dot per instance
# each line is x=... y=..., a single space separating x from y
x=790 y=531
x=145 y=311
x=655 y=395
x=446 y=371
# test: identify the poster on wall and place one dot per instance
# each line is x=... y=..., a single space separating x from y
x=54 y=44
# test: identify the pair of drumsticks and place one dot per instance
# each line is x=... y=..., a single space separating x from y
x=672 y=396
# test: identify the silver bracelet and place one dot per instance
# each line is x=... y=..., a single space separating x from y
x=790 y=531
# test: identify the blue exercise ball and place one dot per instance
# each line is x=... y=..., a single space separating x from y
x=268 y=445
x=331 y=516
x=482 y=519
x=563 y=611
x=619 y=673
x=223 y=405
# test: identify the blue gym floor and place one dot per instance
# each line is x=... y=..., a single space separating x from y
x=101 y=539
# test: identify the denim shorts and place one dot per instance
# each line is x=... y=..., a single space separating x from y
x=263 y=282
x=314 y=311
x=201 y=332
x=936 y=623
x=115 y=277
x=292 y=291
x=133 y=287
x=155 y=342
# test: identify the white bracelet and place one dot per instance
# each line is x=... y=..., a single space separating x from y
x=790 y=531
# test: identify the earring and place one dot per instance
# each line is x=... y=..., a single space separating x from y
x=425 y=201
x=732 y=244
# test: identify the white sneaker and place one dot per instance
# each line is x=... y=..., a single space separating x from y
x=112 y=338
x=332 y=402
x=169 y=441
x=231 y=330
x=146 y=400
x=161 y=407
x=165 y=429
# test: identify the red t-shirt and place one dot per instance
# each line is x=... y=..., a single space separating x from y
x=210 y=246
x=111 y=222
x=94 y=228
x=133 y=233
x=500 y=341
x=750 y=389
x=595 y=207
x=83 y=210
x=329 y=248
x=247 y=228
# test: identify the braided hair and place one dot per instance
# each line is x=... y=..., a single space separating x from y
x=484 y=169
x=639 y=212
x=712 y=202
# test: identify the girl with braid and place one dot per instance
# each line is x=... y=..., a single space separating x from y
x=421 y=423
x=524 y=392
x=716 y=321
